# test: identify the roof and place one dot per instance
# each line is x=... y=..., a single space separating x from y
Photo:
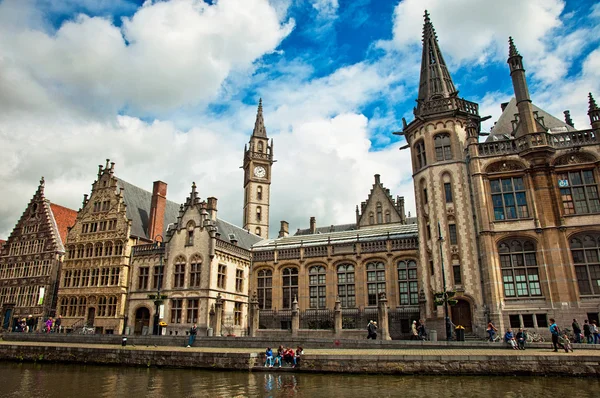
x=245 y=239
x=2 y=242
x=323 y=230
x=503 y=128
x=388 y=231
x=138 y=203
x=64 y=218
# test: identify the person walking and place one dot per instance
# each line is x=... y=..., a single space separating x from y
x=414 y=333
x=595 y=332
x=57 y=324
x=30 y=323
x=49 y=325
x=587 y=332
x=491 y=330
x=422 y=330
x=576 y=331
x=555 y=331
x=193 y=333
x=372 y=330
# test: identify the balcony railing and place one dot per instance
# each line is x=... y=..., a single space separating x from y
x=148 y=249
x=447 y=104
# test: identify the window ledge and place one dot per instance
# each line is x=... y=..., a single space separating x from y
x=526 y=298
x=581 y=214
x=514 y=219
x=589 y=296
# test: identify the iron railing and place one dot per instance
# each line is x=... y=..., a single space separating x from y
x=317 y=319
x=273 y=319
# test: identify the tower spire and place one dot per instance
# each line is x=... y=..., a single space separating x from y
x=259 y=124
x=527 y=123
x=435 y=79
x=594 y=112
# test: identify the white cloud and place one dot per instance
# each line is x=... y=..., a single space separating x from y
x=326 y=8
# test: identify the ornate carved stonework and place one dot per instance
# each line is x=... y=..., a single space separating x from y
x=574 y=158
x=504 y=166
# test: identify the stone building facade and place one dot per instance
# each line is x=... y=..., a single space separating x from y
x=30 y=261
x=200 y=272
x=514 y=219
x=353 y=263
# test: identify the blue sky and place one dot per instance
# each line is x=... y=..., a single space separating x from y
x=168 y=90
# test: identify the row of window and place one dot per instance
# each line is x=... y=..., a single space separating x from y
x=191 y=311
x=30 y=229
x=21 y=296
x=26 y=247
x=346 y=288
x=99 y=226
x=25 y=269
x=76 y=306
x=104 y=276
x=379 y=211
x=101 y=206
x=101 y=249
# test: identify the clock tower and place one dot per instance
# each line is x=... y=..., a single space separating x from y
x=258 y=159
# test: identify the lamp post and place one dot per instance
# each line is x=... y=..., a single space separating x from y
x=445 y=297
x=158 y=297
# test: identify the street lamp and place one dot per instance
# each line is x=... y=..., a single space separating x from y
x=158 y=297
x=444 y=297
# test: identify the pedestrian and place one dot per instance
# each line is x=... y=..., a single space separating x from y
x=49 y=323
x=193 y=333
x=587 y=332
x=422 y=330
x=299 y=352
x=269 y=357
x=372 y=330
x=521 y=338
x=30 y=323
x=595 y=331
x=279 y=357
x=576 y=331
x=414 y=333
x=57 y=324
x=509 y=339
x=555 y=331
x=491 y=330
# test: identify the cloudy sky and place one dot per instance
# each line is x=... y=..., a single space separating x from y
x=168 y=90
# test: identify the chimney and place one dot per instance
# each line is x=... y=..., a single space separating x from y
x=284 y=230
x=401 y=209
x=157 y=209
x=377 y=181
x=313 y=225
x=503 y=106
x=211 y=206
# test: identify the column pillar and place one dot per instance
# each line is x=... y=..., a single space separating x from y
x=295 y=317
x=218 y=315
x=382 y=315
x=337 y=316
x=254 y=316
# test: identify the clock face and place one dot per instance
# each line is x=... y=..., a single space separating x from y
x=260 y=171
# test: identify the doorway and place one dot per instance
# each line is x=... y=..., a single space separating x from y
x=142 y=321
x=91 y=316
x=461 y=315
x=6 y=320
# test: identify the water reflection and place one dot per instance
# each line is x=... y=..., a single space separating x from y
x=76 y=381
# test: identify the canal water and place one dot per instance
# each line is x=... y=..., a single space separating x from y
x=78 y=381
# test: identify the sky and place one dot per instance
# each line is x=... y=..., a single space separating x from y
x=168 y=90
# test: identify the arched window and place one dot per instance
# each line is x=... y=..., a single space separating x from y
x=519 y=268
x=265 y=289
x=371 y=218
x=195 y=268
x=388 y=217
x=108 y=249
x=407 y=282
x=260 y=147
x=102 y=306
x=179 y=272
x=509 y=198
x=190 y=233
x=290 y=286
x=585 y=250
x=111 y=309
x=421 y=157
x=258 y=213
x=443 y=149
x=379 y=213
x=259 y=192
x=317 y=286
x=346 y=288
x=375 y=281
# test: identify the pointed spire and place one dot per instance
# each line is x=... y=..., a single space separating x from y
x=594 y=112
x=435 y=79
x=259 y=124
x=592 y=101
x=512 y=49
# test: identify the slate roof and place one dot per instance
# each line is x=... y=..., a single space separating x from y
x=64 y=219
x=138 y=203
x=323 y=230
x=503 y=128
x=393 y=231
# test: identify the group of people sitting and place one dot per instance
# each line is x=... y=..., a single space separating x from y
x=517 y=342
x=284 y=354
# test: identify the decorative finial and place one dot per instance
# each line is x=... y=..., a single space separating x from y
x=107 y=161
x=512 y=49
x=568 y=119
x=426 y=16
x=593 y=104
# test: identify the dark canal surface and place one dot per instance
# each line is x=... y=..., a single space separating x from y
x=74 y=381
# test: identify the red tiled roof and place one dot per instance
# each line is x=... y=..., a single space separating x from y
x=65 y=218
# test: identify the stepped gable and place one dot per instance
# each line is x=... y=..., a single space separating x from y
x=64 y=219
x=506 y=125
x=379 y=194
x=138 y=203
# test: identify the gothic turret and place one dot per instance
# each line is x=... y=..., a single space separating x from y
x=259 y=124
x=594 y=112
x=527 y=123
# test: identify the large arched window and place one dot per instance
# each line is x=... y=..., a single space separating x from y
x=179 y=272
x=585 y=250
x=519 y=268
x=443 y=149
x=290 y=286
x=407 y=282
x=317 y=286
x=375 y=281
x=346 y=288
x=421 y=157
x=195 y=271
x=265 y=289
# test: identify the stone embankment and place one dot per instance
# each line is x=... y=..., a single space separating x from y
x=337 y=358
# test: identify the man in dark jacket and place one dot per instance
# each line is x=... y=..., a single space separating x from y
x=587 y=332
x=576 y=331
x=372 y=330
x=521 y=338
